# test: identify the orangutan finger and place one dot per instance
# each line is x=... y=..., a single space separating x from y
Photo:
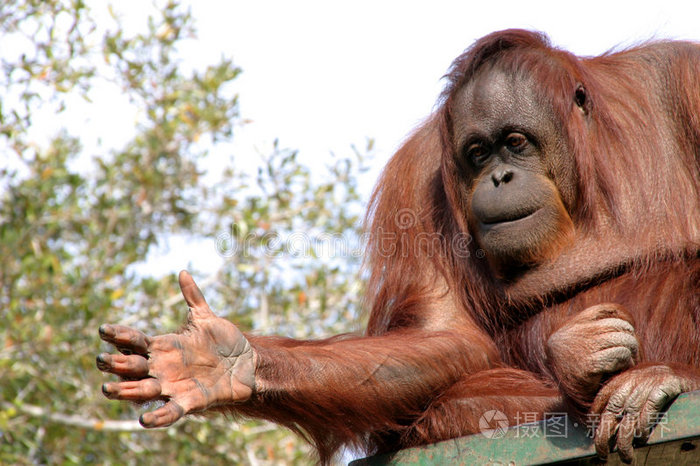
x=129 y=366
x=126 y=339
x=625 y=437
x=133 y=390
x=607 y=311
x=194 y=297
x=163 y=416
x=605 y=433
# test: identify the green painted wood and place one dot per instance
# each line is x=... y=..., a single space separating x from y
x=558 y=440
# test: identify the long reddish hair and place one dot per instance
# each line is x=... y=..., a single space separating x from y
x=626 y=175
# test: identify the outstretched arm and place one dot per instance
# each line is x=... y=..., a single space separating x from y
x=354 y=385
x=348 y=383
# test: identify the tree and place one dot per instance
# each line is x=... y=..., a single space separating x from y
x=75 y=231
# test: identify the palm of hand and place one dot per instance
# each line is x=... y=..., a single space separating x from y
x=200 y=367
x=210 y=363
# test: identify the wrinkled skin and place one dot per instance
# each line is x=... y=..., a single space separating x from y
x=210 y=363
x=593 y=345
x=596 y=348
x=515 y=163
x=628 y=406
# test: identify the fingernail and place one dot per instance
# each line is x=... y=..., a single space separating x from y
x=105 y=390
x=143 y=421
x=102 y=363
x=106 y=330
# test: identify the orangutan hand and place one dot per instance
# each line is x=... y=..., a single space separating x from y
x=209 y=363
x=595 y=344
x=628 y=407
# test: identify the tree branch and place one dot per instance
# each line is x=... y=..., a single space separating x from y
x=109 y=425
x=76 y=421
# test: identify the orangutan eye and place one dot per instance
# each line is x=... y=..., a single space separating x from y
x=477 y=153
x=516 y=141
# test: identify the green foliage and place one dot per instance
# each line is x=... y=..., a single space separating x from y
x=73 y=227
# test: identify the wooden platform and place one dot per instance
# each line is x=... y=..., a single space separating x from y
x=675 y=441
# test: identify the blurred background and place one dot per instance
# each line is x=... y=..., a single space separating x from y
x=238 y=140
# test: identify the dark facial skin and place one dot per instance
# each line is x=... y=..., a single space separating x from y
x=515 y=166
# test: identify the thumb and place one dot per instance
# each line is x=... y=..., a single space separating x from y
x=193 y=296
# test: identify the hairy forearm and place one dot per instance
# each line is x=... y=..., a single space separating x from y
x=354 y=384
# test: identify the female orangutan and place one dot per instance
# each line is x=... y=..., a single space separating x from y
x=579 y=181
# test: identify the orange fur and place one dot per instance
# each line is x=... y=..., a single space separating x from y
x=446 y=339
